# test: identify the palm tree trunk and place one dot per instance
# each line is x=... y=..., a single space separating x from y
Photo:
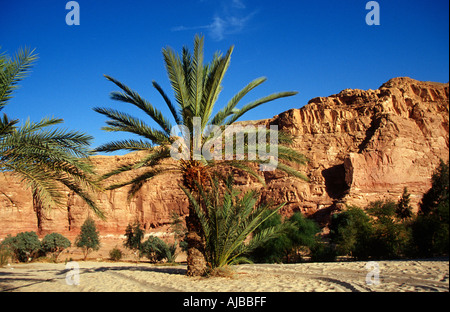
x=196 y=259
x=37 y=206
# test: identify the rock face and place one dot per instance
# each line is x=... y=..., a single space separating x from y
x=362 y=146
x=367 y=145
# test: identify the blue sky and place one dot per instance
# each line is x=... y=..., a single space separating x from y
x=315 y=47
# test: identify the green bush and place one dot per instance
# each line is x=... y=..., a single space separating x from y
x=390 y=238
x=323 y=252
x=156 y=250
x=25 y=246
x=115 y=254
x=300 y=233
x=55 y=243
x=89 y=239
x=304 y=231
x=351 y=231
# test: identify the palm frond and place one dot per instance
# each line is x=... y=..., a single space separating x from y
x=153 y=158
x=127 y=123
x=7 y=126
x=292 y=172
x=197 y=73
x=228 y=109
x=132 y=97
x=238 y=113
x=130 y=145
x=213 y=85
x=178 y=82
x=75 y=187
x=12 y=71
x=47 y=160
x=169 y=104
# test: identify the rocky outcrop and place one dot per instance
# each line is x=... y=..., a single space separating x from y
x=362 y=146
x=367 y=145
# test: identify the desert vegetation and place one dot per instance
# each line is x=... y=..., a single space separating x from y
x=26 y=247
x=388 y=230
x=224 y=226
x=239 y=230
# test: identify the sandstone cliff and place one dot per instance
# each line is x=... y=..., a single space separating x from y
x=362 y=146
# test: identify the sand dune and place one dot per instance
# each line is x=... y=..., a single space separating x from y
x=384 y=276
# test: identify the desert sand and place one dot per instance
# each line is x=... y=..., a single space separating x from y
x=384 y=276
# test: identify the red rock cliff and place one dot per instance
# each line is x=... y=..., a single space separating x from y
x=362 y=146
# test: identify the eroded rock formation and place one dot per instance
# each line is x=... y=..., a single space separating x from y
x=362 y=146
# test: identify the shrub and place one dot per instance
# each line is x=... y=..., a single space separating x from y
x=390 y=239
x=156 y=250
x=275 y=249
x=55 y=243
x=88 y=239
x=303 y=232
x=115 y=254
x=299 y=232
x=25 y=246
x=438 y=193
x=323 y=252
x=351 y=231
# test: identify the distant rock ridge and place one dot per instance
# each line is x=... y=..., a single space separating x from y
x=362 y=146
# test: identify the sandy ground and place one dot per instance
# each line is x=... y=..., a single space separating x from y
x=385 y=276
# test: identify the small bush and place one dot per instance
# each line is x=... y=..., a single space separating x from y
x=323 y=252
x=300 y=234
x=55 y=243
x=156 y=250
x=133 y=239
x=115 y=254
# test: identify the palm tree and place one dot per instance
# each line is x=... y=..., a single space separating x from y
x=196 y=88
x=45 y=159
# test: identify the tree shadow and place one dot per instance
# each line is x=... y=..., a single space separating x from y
x=167 y=270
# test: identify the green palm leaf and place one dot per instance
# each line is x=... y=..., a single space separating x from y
x=12 y=71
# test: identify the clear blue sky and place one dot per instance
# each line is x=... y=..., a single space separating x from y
x=315 y=47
